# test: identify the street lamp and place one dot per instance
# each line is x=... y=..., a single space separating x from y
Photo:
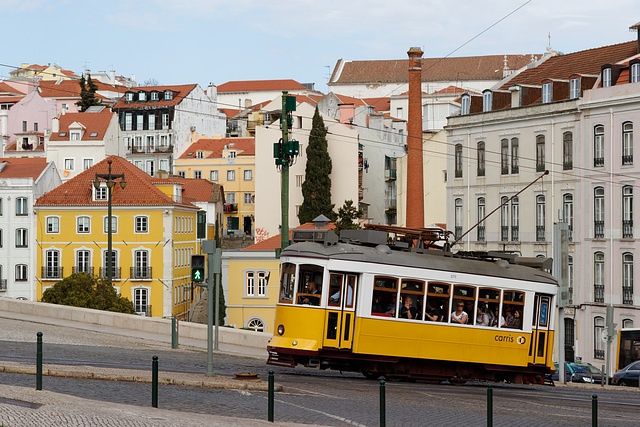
x=109 y=177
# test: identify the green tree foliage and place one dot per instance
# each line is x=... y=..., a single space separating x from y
x=347 y=214
x=84 y=290
x=88 y=90
x=316 y=188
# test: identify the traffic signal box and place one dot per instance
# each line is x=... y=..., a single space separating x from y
x=197 y=268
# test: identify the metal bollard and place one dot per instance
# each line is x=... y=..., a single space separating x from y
x=604 y=377
x=154 y=382
x=271 y=386
x=594 y=410
x=39 y=362
x=489 y=405
x=174 y=332
x=383 y=404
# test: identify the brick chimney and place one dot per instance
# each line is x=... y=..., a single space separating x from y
x=415 y=182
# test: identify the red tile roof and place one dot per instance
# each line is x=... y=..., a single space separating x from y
x=451 y=89
x=350 y=100
x=433 y=69
x=139 y=190
x=229 y=112
x=272 y=243
x=10 y=99
x=583 y=62
x=213 y=147
x=179 y=93
x=62 y=89
x=5 y=88
x=194 y=190
x=23 y=167
x=259 y=85
x=92 y=122
x=379 y=104
x=313 y=100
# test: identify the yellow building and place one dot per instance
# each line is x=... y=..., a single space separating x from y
x=44 y=72
x=231 y=163
x=154 y=234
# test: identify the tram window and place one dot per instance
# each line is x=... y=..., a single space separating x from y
x=413 y=290
x=335 y=285
x=438 y=300
x=512 y=302
x=489 y=300
x=467 y=294
x=287 y=281
x=385 y=291
x=309 y=284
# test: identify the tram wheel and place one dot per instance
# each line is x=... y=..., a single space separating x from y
x=371 y=375
x=457 y=381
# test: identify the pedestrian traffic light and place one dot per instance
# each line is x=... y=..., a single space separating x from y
x=197 y=268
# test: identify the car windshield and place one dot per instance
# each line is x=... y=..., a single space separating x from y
x=592 y=369
x=578 y=368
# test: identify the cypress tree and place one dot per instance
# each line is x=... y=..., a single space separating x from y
x=87 y=94
x=316 y=188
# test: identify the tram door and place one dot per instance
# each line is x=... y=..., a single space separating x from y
x=340 y=313
x=540 y=330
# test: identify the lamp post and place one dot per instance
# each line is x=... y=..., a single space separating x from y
x=110 y=181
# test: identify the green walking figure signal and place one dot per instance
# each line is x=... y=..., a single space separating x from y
x=197 y=268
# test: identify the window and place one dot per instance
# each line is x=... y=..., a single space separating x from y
x=114 y=264
x=627 y=323
x=21 y=238
x=487 y=100
x=83 y=224
x=567 y=151
x=465 y=104
x=101 y=193
x=181 y=174
x=248 y=198
x=598 y=146
x=1 y=238
x=515 y=155
x=481 y=156
x=250 y=280
x=540 y=209
x=262 y=283
x=24 y=126
x=114 y=224
x=230 y=197
x=598 y=277
x=540 y=162
x=627 y=143
x=141 y=301
x=75 y=136
x=627 y=212
x=155 y=96
x=598 y=212
x=458 y=218
x=151 y=143
x=83 y=262
x=21 y=273
x=256 y=324
x=248 y=175
x=1 y=210
x=515 y=219
x=546 y=93
x=458 y=161
x=627 y=278
x=165 y=120
x=197 y=174
x=128 y=97
x=52 y=269
x=574 y=88
x=53 y=225
x=570 y=275
x=21 y=206
x=140 y=121
x=231 y=175
x=567 y=213
x=164 y=165
x=213 y=175
x=504 y=218
x=128 y=121
x=68 y=164
x=35 y=127
x=481 y=215
x=168 y=95
x=142 y=224
x=87 y=163
x=141 y=269
x=606 y=77
x=151 y=118
x=142 y=96
x=635 y=73
x=598 y=342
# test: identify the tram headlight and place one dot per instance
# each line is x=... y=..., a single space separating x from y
x=280 y=329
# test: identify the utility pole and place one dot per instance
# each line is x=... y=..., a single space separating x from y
x=284 y=151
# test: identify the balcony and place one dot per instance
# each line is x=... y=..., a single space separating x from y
x=115 y=272
x=51 y=273
x=481 y=233
x=627 y=229
x=150 y=149
x=515 y=233
x=598 y=229
x=141 y=273
x=598 y=293
x=598 y=161
x=82 y=269
x=627 y=295
x=598 y=354
x=230 y=208
x=390 y=174
x=3 y=285
x=627 y=160
x=504 y=233
x=540 y=230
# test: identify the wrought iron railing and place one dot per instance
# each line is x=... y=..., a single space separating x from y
x=51 y=272
x=598 y=293
x=82 y=269
x=540 y=167
x=3 y=285
x=515 y=233
x=540 y=233
x=627 y=160
x=504 y=233
x=598 y=229
x=481 y=234
x=627 y=294
x=115 y=272
x=141 y=273
x=627 y=228
x=598 y=354
x=598 y=161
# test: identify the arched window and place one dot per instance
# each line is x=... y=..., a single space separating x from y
x=515 y=155
x=458 y=218
x=458 y=161
x=465 y=104
x=627 y=143
x=504 y=219
x=504 y=156
x=598 y=342
x=540 y=210
x=515 y=219
x=627 y=278
x=540 y=165
x=570 y=278
x=598 y=212
x=567 y=213
x=598 y=146
x=627 y=323
x=481 y=215
x=567 y=151
x=256 y=324
x=480 y=154
x=598 y=277
x=627 y=211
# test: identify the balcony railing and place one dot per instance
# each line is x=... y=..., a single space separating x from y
x=141 y=273
x=598 y=293
x=480 y=172
x=51 y=272
x=540 y=167
x=598 y=354
x=458 y=231
x=598 y=161
x=230 y=207
x=481 y=235
x=115 y=272
x=627 y=228
x=151 y=150
x=458 y=173
x=82 y=269
x=505 y=171
x=598 y=229
x=627 y=294
x=515 y=233
x=390 y=174
x=627 y=160
x=143 y=310
x=567 y=166
x=504 y=233
x=515 y=169
x=540 y=233
x=3 y=285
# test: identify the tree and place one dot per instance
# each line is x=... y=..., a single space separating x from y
x=151 y=82
x=88 y=90
x=346 y=216
x=84 y=290
x=316 y=188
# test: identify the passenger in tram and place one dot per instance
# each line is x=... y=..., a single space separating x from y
x=468 y=308
x=459 y=316
x=335 y=298
x=483 y=317
x=408 y=311
x=516 y=321
x=377 y=307
x=508 y=317
x=391 y=308
x=432 y=313
x=311 y=299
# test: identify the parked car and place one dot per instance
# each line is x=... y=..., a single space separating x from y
x=627 y=375
x=579 y=373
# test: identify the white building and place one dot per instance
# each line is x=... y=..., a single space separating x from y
x=247 y=93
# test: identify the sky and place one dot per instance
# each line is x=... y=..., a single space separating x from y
x=212 y=41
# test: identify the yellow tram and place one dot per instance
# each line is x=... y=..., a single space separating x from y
x=360 y=303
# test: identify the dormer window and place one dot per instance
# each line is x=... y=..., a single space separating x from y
x=606 y=77
x=574 y=88
x=128 y=97
x=142 y=96
x=487 y=101
x=466 y=104
x=635 y=73
x=199 y=155
x=232 y=154
x=100 y=193
x=155 y=96
x=168 y=95
x=75 y=136
x=546 y=93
